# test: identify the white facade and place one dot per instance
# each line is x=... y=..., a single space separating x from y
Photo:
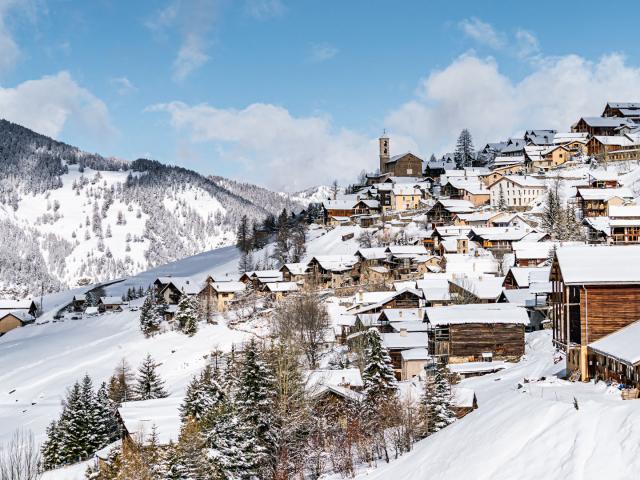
x=518 y=191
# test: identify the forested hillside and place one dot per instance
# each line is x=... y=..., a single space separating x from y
x=80 y=218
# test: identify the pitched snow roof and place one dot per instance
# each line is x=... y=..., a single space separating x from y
x=340 y=377
x=623 y=345
x=604 y=193
x=524 y=275
x=141 y=416
x=404 y=314
x=624 y=211
x=405 y=341
x=409 y=326
x=524 y=181
x=24 y=304
x=477 y=313
x=282 y=287
x=229 y=287
x=21 y=315
x=374 y=253
x=406 y=249
x=415 y=354
x=476 y=367
x=296 y=268
x=111 y=300
x=599 y=264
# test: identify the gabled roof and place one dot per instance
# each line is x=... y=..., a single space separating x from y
x=140 y=417
x=484 y=287
x=406 y=250
x=477 y=313
x=295 y=268
x=111 y=300
x=604 y=122
x=282 y=287
x=22 y=315
x=25 y=304
x=604 y=193
x=524 y=275
x=596 y=265
x=373 y=253
x=229 y=287
x=405 y=341
x=340 y=377
x=526 y=181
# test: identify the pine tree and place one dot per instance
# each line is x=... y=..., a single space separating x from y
x=188 y=459
x=204 y=394
x=243 y=235
x=121 y=383
x=378 y=376
x=254 y=403
x=108 y=430
x=148 y=384
x=147 y=315
x=187 y=315
x=464 y=153
x=51 y=448
x=436 y=402
x=502 y=202
x=246 y=263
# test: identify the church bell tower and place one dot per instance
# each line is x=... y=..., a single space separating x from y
x=384 y=152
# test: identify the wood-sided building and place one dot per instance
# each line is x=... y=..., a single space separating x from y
x=596 y=202
x=596 y=291
x=616 y=357
x=476 y=332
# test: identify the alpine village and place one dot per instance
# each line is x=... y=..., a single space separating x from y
x=347 y=331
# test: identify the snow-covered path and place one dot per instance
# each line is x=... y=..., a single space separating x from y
x=532 y=432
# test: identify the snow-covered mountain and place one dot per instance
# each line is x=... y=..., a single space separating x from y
x=69 y=218
x=313 y=194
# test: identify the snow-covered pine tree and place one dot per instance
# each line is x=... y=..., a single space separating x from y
x=187 y=315
x=120 y=387
x=51 y=448
x=245 y=264
x=378 y=376
x=188 y=459
x=464 y=153
x=243 y=234
x=436 y=402
x=502 y=201
x=204 y=395
x=106 y=409
x=147 y=315
x=149 y=385
x=254 y=403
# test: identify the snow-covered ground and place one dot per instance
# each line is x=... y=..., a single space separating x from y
x=530 y=432
x=46 y=359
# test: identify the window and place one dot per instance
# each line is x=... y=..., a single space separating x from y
x=409 y=171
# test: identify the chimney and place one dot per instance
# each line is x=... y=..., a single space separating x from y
x=403 y=332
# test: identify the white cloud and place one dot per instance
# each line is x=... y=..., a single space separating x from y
x=526 y=44
x=274 y=147
x=123 y=85
x=482 y=32
x=48 y=104
x=264 y=9
x=321 y=52
x=472 y=93
x=192 y=21
x=9 y=49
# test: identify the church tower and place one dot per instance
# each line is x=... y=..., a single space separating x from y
x=384 y=152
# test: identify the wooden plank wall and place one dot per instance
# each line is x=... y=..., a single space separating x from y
x=611 y=307
x=472 y=339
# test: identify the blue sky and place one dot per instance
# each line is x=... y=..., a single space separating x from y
x=290 y=94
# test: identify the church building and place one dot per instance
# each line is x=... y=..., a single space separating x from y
x=403 y=165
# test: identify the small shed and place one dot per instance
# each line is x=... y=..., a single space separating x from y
x=110 y=304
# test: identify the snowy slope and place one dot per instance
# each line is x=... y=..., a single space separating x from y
x=47 y=358
x=532 y=432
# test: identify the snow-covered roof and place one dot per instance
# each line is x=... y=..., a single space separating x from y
x=466 y=264
x=229 y=287
x=537 y=250
x=404 y=341
x=462 y=397
x=500 y=233
x=477 y=313
x=282 y=286
x=341 y=377
x=623 y=344
x=606 y=121
x=336 y=263
x=523 y=297
x=80 y=297
x=91 y=311
x=341 y=391
x=599 y=264
x=604 y=193
x=603 y=175
x=624 y=211
x=296 y=268
x=524 y=275
x=187 y=285
x=415 y=354
x=111 y=300
x=484 y=287
x=615 y=140
x=374 y=253
x=405 y=189
x=24 y=304
x=404 y=314
x=409 y=326
x=435 y=287
x=141 y=416
x=21 y=315
x=406 y=250
x=476 y=367
x=267 y=275
x=524 y=181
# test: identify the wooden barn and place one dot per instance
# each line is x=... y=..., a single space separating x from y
x=596 y=291
x=14 y=319
x=476 y=332
x=616 y=357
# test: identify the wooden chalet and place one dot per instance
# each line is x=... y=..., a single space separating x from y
x=497 y=239
x=622 y=109
x=110 y=304
x=603 y=179
x=79 y=302
x=332 y=271
x=605 y=126
x=294 y=272
x=10 y=319
x=443 y=210
x=596 y=291
x=397 y=343
x=595 y=202
x=476 y=332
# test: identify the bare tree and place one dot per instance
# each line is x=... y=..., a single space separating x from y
x=303 y=319
x=20 y=458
